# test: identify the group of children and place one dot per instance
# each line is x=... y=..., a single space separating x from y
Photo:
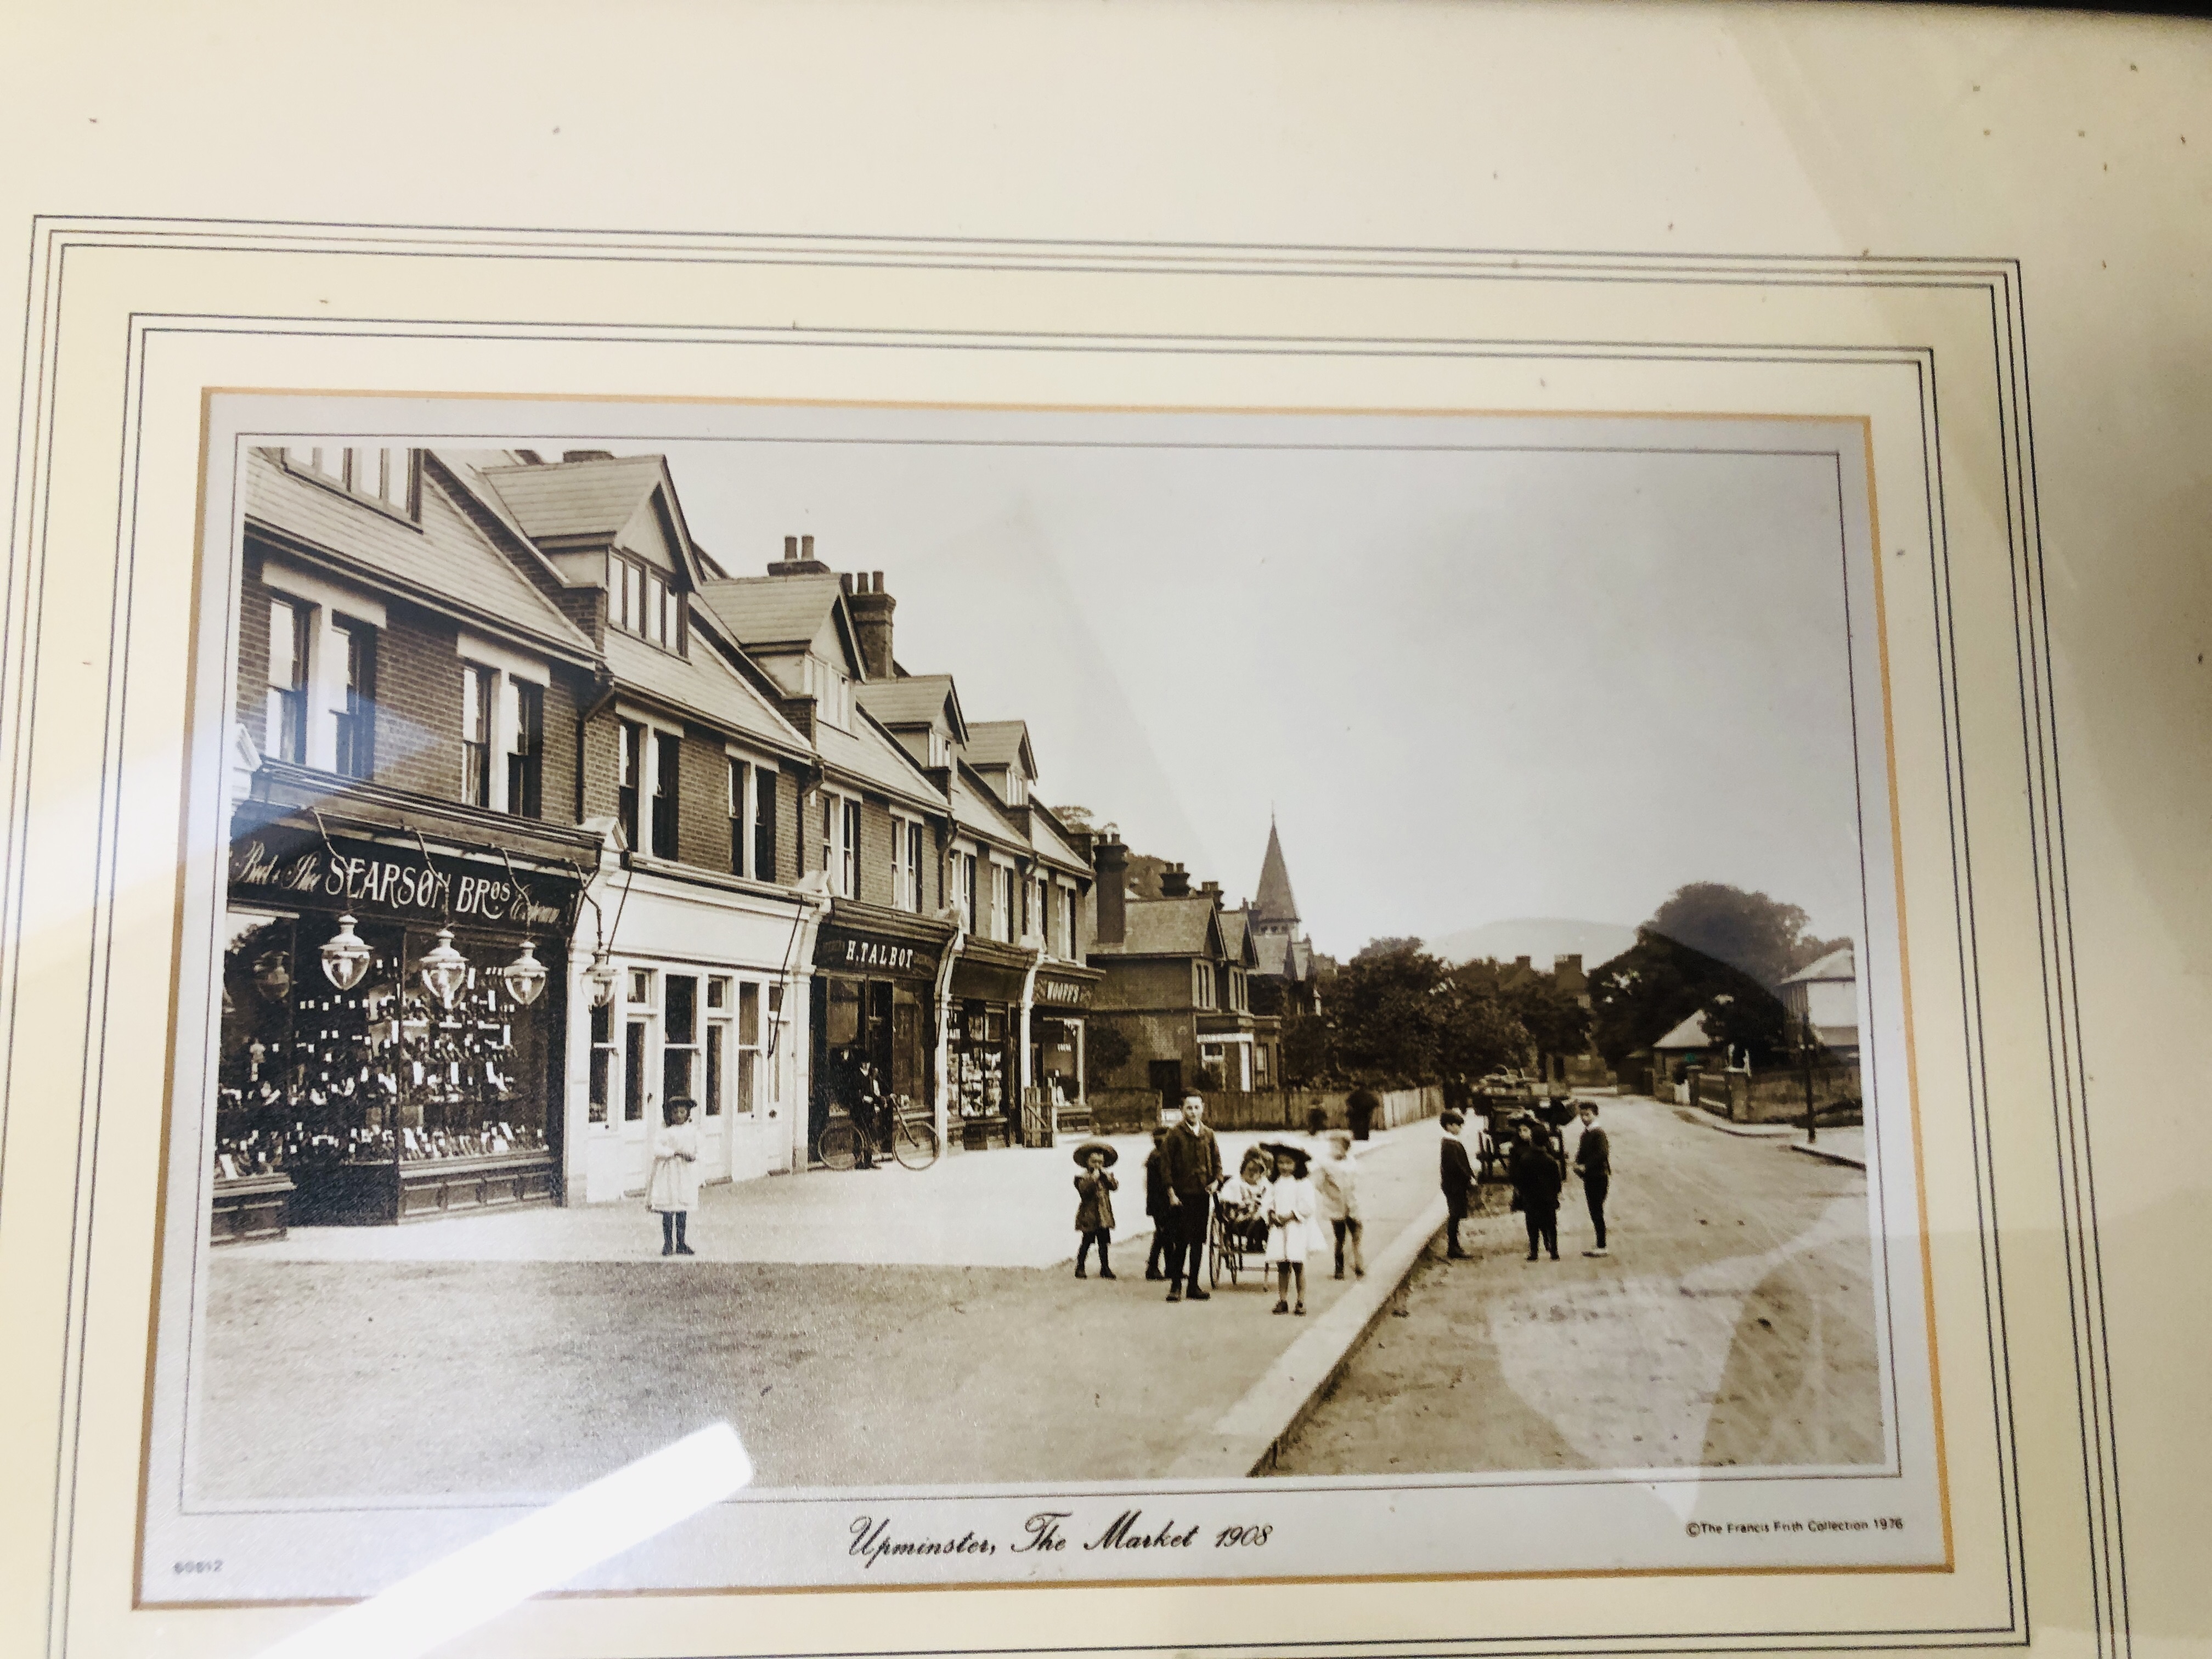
x=1277 y=1203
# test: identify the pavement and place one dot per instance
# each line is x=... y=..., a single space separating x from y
x=1732 y=1324
x=863 y=1328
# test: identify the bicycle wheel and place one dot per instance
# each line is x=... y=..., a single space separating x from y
x=915 y=1145
x=840 y=1147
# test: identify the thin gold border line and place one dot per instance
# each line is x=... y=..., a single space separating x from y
x=1862 y=421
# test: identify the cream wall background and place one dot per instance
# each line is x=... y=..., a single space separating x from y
x=2082 y=146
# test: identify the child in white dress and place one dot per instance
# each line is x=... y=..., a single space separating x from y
x=1290 y=1212
x=675 y=1189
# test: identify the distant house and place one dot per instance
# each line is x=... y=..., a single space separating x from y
x=1826 y=995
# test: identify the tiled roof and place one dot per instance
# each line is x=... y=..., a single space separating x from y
x=1000 y=743
x=1232 y=932
x=1690 y=1034
x=1840 y=963
x=702 y=684
x=869 y=754
x=910 y=700
x=1050 y=844
x=1162 y=927
x=1275 y=954
x=447 y=557
x=773 y=610
x=575 y=498
x=974 y=810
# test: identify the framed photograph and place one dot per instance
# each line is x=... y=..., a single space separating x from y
x=1128 y=947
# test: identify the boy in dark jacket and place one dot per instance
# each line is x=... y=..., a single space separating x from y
x=1594 y=1162
x=1156 y=1201
x=1537 y=1177
x=1456 y=1174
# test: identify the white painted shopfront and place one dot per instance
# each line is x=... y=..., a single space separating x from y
x=708 y=1003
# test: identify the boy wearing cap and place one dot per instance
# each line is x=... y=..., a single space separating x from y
x=1456 y=1174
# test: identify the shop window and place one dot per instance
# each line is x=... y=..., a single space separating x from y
x=477 y=684
x=286 y=734
x=356 y=751
x=748 y=1046
x=525 y=758
x=633 y=1043
x=629 y=768
x=717 y=1052
x=331 y=1084
x=668 y=749
x=679 y=1046
x=602 y=1062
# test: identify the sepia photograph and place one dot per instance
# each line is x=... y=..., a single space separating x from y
x=1131 y=968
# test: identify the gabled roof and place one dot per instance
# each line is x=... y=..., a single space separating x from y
x=702 y=685
x=1051 y=841
x=1285 y=956
x=1274 y=904
x=1002 y=742
x=974 y=810
x=766 y=611
x=1167 y=928
x=1839 y=964
x=1234 y=935
x=448 y=562
x=872 y=755
x=1690 y=1034
x=576 y=499
x=912 y=700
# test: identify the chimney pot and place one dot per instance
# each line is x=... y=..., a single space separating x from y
x=790 y=548
x=1110 y=858
x=1174 y=882
x=871 y=622
x=806 y=547
x=845 y=581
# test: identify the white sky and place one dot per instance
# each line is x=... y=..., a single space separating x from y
x=1472 y=685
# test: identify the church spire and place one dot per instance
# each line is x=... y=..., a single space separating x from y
x=1274 y=908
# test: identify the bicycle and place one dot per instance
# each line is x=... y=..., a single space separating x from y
x=914 y=1142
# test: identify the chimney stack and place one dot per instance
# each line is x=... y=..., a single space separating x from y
x=1110 y=858
x=798 y=559
x=871 y=620
x=1174 y=882
x=1212 y=890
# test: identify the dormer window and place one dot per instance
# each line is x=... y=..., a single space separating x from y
x=643 y=601
x=832 y=692
x=1017 y=788
x=385 y=477
x=940 y=750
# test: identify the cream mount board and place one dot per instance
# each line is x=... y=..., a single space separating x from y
x=160 y=349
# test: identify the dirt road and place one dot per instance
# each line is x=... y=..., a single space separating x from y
x=1732 y=1324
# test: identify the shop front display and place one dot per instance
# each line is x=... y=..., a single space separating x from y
x=872 y=1018
x=1059 y=998
x=390 y=1030
x=982 y=1041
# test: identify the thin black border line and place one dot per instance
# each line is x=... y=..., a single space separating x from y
x=847 y=1497
x=151 y=331
x=2062 y=871
x=1972 y=1054
x=1352 y=250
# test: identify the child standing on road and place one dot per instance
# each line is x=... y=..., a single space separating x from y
x=1290 y=1212
x=1155 y=1199
x=675 y=1189
x=1336 y=1191
x=1094 y=1205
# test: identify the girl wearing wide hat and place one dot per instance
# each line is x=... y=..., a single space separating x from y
x=1290 y=1212
x=1094 y=1204
x=675 y=1189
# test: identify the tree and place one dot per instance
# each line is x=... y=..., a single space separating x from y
x=1395 y=1015
x=1305 y=1049
x=1105 y=1052
x=1757 y=935
x=1658 y=982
